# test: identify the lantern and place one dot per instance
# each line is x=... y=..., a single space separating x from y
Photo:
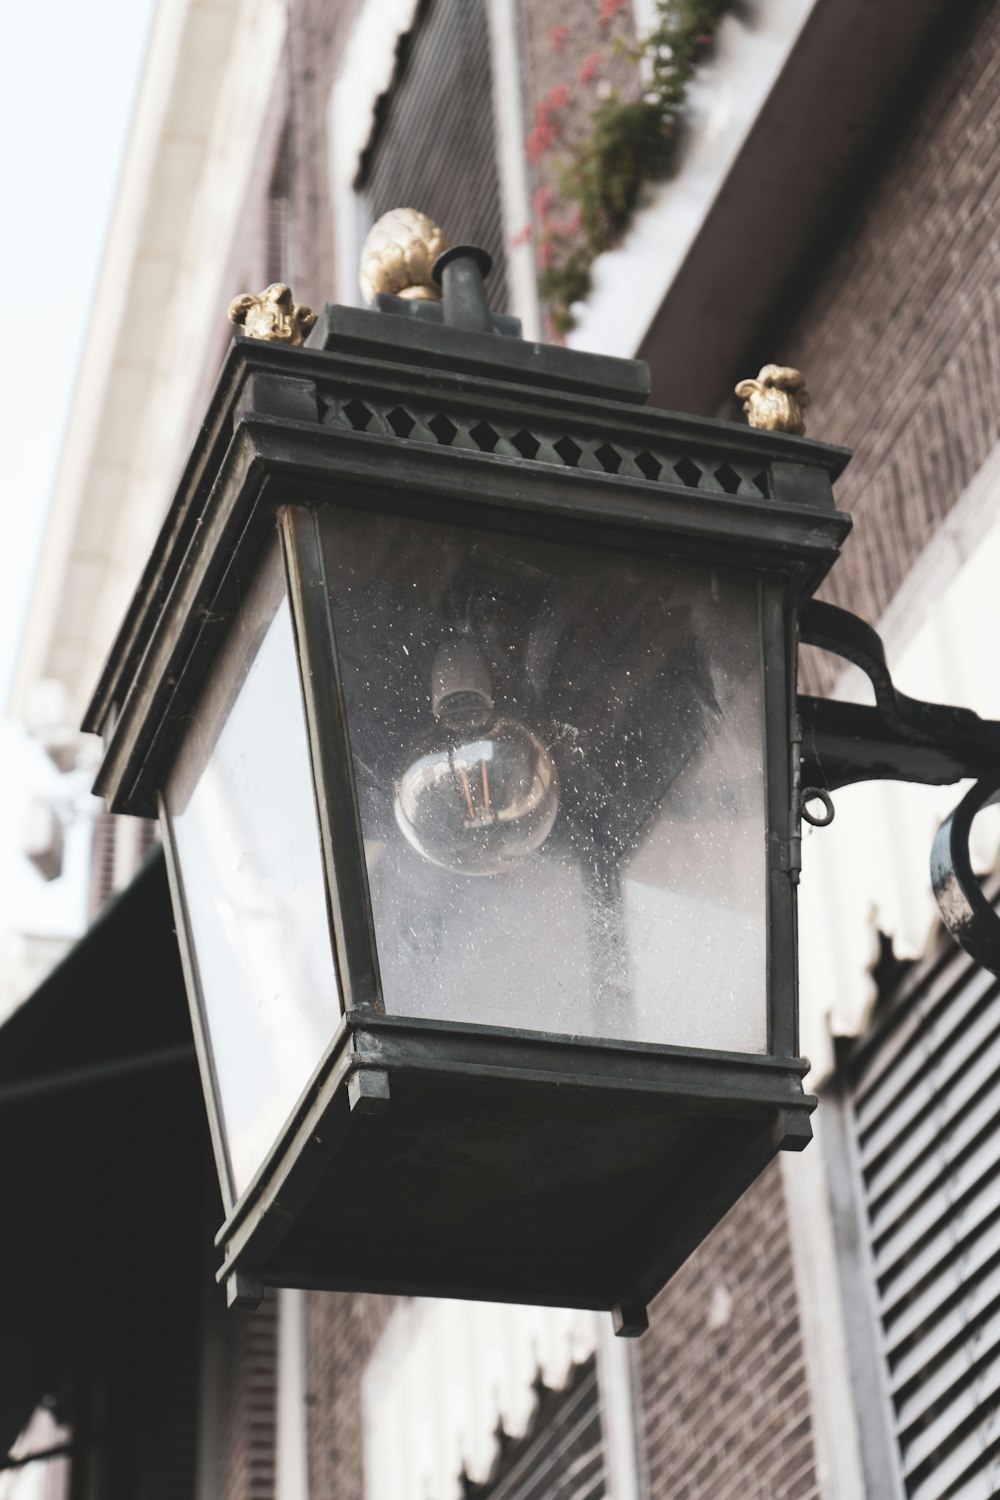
x=463 y=684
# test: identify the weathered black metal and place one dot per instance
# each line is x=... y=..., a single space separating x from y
x=901 y=738
x=904 y=739
x=970 y=918
x=415 y=333
x=460 y=272
x=250 y=459
x=325 y=1210
x=441 y=1158
x=336 y=796
x=404 y=307
x=777 y=625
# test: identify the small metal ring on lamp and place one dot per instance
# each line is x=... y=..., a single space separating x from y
x=817 y=794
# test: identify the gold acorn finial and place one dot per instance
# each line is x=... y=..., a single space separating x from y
x=272 y=315
x=398 y=256
x=776 y=399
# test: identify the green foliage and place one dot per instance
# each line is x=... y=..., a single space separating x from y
x=630 y=143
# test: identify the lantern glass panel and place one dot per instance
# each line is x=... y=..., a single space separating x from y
x=559 y=760
x=241 y=810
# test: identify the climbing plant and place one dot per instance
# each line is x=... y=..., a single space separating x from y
x=627 y=143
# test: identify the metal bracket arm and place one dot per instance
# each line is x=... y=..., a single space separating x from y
x=901 y=738
x=904 y=739
x=967 y=914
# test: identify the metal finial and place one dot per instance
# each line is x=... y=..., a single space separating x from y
x=272 y=315
x=399 y=254
x=776 y=399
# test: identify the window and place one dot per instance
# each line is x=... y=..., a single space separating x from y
x=477 y=1401
x=561 y=1454
x=279 y=211
x=922 y=1132
x=433 y=145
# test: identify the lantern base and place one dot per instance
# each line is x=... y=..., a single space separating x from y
x=449 y=1160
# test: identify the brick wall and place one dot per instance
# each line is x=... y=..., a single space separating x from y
x=248 y=1383
x=342 y=1333
x=900 y=335
x=725 y=1400
x=315 y=38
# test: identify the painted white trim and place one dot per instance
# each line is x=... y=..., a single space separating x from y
x=206 y=87
x=508 y=106
x=824 y=1339
x=724 y=100
x=617 y=1386
x=364 y=75
x=644 y=15
x=440 y=1377
x=366 y=69
x=292 y=1441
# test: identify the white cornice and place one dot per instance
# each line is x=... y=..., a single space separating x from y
x=208 y=78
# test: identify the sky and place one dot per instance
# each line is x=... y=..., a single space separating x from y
x=71 y=77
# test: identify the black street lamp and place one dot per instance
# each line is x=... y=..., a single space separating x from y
x=464 y=687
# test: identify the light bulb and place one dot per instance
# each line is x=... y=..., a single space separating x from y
x=480 y=791
x=476 y=805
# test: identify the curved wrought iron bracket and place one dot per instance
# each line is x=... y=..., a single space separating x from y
x=901 y=738
x=904 y=739
x=967 y=914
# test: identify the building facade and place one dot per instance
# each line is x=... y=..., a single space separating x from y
x=832 y=204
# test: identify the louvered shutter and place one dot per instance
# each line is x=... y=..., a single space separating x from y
x=102 y=863
x=279 y=211
x=561 y=1456
x=149 y=836
x=925 y=1089
x=247 y=1440
x=119 y=847
x=433 y=145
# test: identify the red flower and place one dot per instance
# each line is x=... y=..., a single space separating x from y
x=557 y=36
x=540 y=139
x=541 y=201
x=609 y=9
x=565 y=229
x=521 y=237
x=547 y=127
x=557 y=98
x=589 y=67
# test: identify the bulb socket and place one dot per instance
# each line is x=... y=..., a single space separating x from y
x=461 y=690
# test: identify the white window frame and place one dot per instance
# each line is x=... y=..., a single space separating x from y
x=490 y=1351
x=365 y=74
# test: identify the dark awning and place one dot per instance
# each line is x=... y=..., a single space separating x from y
x=103 y=1143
